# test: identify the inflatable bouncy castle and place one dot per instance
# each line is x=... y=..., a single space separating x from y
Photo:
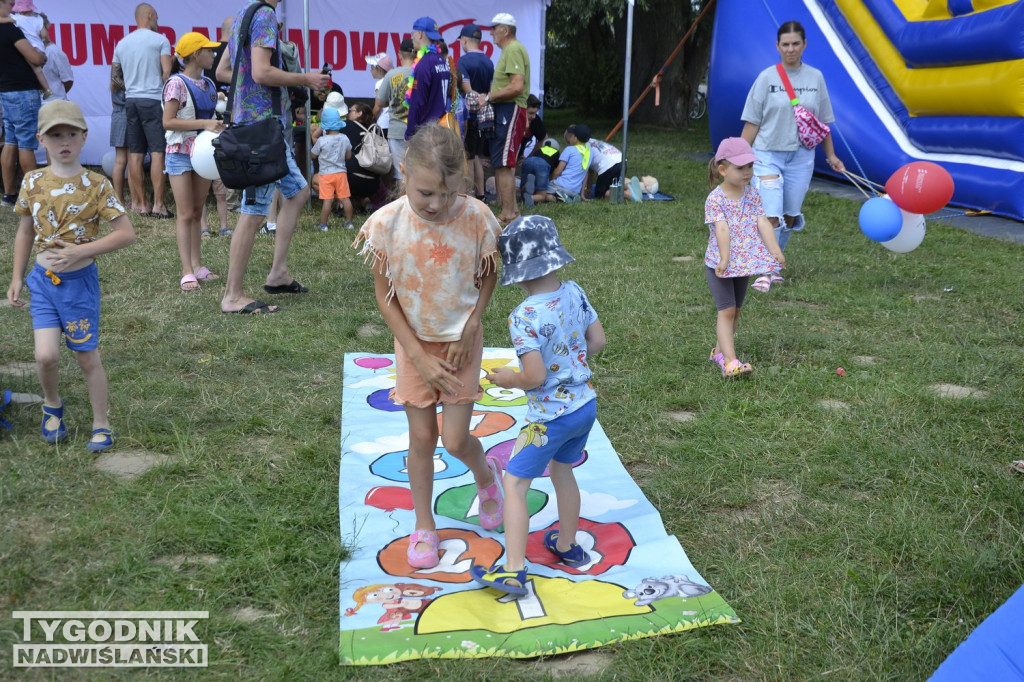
x=910 y=80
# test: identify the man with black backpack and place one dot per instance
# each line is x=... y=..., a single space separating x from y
x=253 y=67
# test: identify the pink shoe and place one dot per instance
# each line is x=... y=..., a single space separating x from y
x=736 y=369
x=492 y=492
x=717 y=357
x=776 y=278
x=427 y=559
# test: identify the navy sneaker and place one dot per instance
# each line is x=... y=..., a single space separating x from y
x=574 y=556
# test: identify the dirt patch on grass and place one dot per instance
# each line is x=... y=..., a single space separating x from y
x=926 y=297
x=249 y=614
x=770 y=497
x=28 y=527
x=682 y=416
x=129 y=464
x=368 y=330
x=955 y=391
x=834 y=405
x=19 y=369
x=683 y=259
x=583 y=665
x=865 y=359
x=179 y=560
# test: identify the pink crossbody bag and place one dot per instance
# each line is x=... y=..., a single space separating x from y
x=809 y=129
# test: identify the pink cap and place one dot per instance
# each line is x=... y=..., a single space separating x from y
x=736 y=151
x=24 y=6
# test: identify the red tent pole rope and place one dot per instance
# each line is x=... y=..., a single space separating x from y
x=656 y=81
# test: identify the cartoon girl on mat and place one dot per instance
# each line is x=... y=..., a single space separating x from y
x=400 y=602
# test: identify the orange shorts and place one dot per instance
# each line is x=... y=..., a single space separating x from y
x=410 y=389
x=334 y=186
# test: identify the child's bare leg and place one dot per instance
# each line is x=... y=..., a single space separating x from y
x=221 y=195
x=422 y=442
x=120 y=165
x=325 y=211
x=346 y=205
x=44 y=84
x=47 y=345
x=725 y=329
x=466 y=448
x=567 y=494
x=96 y=382
x=517 y=521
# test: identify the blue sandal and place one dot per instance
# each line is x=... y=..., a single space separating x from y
x=100 y=445
x=5 y=400
x=575 y=556
x=61 y=432
x=509 y=582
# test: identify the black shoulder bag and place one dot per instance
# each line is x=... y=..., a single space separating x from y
x=251 y=154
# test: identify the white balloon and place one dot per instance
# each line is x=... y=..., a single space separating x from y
x=108 y=163
x=910 y=236
x=202 y=156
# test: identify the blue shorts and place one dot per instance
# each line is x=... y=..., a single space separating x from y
x=562 y=439
x=73 y=306
x=290 y=185
x=177 y=164
x=21 y=118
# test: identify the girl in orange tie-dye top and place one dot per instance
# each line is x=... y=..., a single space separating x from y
x=434 y=255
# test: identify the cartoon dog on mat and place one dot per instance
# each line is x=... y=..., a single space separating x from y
x=652 y=589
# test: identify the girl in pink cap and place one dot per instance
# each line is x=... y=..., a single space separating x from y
x=741 y=243
x=31 y=23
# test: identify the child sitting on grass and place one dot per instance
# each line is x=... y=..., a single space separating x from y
x=60 y=207
x=566 y=181
x=332 y=150
x=555 y=332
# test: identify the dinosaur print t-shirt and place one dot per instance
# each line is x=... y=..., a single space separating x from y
x=434 y=268
x=68 y=209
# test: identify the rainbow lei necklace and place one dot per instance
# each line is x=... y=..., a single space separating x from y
x=436 y=49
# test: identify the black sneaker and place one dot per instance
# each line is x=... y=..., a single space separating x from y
x=9 y=200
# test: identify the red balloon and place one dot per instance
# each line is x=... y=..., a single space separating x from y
x=920 y=187
x=389 y=498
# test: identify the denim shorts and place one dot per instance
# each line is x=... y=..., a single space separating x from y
x=784 y=195
x=73 y=306
x=562 y=440
x=539 y=169
x=177 y=164
x=21 y=118
x=290 y=185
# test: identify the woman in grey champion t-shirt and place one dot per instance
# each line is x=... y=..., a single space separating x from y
x=784 y=168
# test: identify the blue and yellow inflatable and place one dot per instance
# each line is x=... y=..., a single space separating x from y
x=910 y=80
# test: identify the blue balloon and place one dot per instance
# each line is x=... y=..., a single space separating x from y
x=880 y=219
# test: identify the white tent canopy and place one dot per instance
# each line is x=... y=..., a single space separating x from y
x=341 y=34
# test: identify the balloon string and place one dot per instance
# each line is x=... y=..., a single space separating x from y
x=864 y=185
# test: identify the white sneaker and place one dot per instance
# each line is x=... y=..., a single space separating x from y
x=323 y=227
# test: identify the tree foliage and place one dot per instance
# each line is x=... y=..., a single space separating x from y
x=586 y=46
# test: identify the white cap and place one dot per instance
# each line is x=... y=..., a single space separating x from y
x=503 y=19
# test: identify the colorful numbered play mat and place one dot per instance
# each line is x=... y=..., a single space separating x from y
x=640 y=583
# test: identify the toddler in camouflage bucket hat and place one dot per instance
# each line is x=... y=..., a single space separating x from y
x=555 y=332
x=530 y=248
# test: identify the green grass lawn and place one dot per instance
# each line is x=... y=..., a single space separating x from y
x=861 y=526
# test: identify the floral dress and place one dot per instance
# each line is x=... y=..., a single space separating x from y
x=748 y=254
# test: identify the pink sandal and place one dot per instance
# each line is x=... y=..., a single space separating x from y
x=717 y=357
x=763 y=283
x=776 y=278
x=427 y=559
x=736 y=369
x=492 y=492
